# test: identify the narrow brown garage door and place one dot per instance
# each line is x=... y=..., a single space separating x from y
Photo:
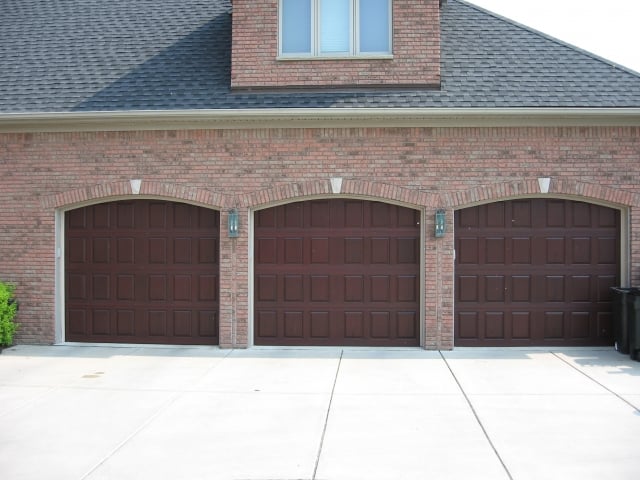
x=142 y=271
x=535 y=272
x=337 y=272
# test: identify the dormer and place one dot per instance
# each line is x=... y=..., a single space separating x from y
x=279 y=44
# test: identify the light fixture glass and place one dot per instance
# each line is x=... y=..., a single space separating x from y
x=441 y=225
x=233 y=223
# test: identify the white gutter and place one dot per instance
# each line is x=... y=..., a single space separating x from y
x=316 y=117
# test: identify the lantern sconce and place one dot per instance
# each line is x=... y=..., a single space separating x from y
x=233 y=223
x=441 y=225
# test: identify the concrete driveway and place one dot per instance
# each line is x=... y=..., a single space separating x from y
x=69 y=412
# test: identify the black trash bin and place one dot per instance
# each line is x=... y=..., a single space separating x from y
x=621 y=318
x=633 y=314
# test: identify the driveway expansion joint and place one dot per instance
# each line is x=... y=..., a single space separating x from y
x=475 y=414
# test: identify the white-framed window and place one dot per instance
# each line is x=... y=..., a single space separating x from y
x=334 y=28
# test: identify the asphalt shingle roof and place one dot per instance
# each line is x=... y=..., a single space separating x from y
x=95 y=55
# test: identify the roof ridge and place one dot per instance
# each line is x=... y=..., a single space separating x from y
x=550 y=37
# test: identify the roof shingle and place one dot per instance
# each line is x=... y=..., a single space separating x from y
x=91 y=55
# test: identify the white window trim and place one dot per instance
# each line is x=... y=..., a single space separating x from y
x=353 y=54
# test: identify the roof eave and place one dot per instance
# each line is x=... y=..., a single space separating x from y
x=315 y=118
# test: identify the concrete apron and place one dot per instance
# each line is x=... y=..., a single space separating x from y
x=80 y=412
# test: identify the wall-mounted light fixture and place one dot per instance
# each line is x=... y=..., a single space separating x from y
x=233 y=222
x=441 y=223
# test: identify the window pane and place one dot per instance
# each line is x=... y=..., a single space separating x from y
x=374 y=26
x=296 y=26
x=334 y=26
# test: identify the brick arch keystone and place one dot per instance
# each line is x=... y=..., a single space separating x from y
x=108 y=191
x=530 y=187
x=349 y=187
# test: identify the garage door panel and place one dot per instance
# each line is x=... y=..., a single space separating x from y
x=604 y=284
x=521 y=250
x=380 y=288
x=158 y=323
x=101 y=216
x=353 y=288
x=555 y=213
x=554 y=325
x=100 y=250
x=521 y=215
x=467 y=325
x=320 y=214
x=495 y=215
x=207 y=288
x=560 y=260
x=607 y=251
x=320 y=250
x=100 y=322
x=580 y=288
x=358 y=270
x=353 y=250
x=495 y=250
x=580 y=325
x=468 y=288
x=320 y=325
x=126 y=250
x=494 y=325
x=125 y=323
x=293 y=215
x=293 y=325
x=353 y=325
x=208 y=323
x=407 y=250
x=294 y=288
x=158 y=287
x=581 y=214
x=77 y=250
x=353 y=215
x=521 y=288
x=320 y=288
x=142 y=256
x=606 y=217
x=380 y=250
x=521 y=325
x=468 y=251
x=408 y=325
x=555 y=251
x=380 y=325
x=494 y=288
x=157 y=215
x=77 y=321
x=604 y=325
x=267 y=323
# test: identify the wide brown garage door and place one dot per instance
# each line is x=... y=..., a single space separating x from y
x=337 y=272
x=142 y=271
x=535 y=272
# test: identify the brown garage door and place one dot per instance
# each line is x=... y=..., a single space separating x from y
x=535 y=272
x=337 y=272
x=142 y=271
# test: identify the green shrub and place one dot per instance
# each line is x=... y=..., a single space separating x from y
x=8 y=308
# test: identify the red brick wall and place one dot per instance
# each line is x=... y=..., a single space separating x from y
x=416 y=51
x=425 y=168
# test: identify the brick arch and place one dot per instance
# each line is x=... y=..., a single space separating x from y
x=589 y=192
x=349 y=187
x=124 y=189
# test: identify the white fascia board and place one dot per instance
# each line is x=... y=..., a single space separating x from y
x=316 y=118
